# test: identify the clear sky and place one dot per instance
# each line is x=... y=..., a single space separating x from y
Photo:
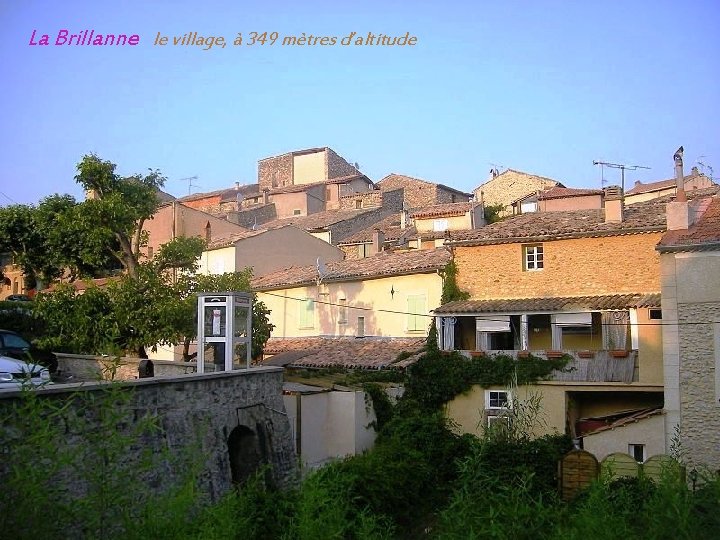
x=540 y=86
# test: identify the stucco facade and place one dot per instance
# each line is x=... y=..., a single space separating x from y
x=363 y=307
x=268 y=251
x=175 y=220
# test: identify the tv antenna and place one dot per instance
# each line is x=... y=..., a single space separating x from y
x=623 y=167
x=321 y=270
x=704 y=166
x=190 y=182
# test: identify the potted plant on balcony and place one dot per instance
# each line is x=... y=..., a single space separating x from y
x=478 y=354
x=554 y=354
x=619 y=353
x=586 y=354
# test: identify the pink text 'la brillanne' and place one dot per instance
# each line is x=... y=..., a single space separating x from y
x=85 y=37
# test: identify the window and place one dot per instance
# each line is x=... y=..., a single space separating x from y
x=358 y=203
x=328 y=193
x=364 y=250
x=655 y=314
x=297 y=212
x=497 y=399
x=306 y=315
x=416 y=310
x=360 y=327
x=533 y=257
x=342 y=311
x=150 y=252
x=637 y=451
x=497 y=419
x=440 y=225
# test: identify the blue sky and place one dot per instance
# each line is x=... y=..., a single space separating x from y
x=545 y=87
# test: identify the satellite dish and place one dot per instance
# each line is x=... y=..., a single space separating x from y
x=321 y=270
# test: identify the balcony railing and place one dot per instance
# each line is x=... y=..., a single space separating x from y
x=585 y=366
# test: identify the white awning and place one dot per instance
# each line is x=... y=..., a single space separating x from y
x=493 y=323
x=573 y=319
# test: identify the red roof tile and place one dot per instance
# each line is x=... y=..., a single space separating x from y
x=447 y=209
x=537 y=226
x=382 y=264
x=558 y=192
x=705 y=232
x=348 y=352
x=564 y=303
x=658 y=186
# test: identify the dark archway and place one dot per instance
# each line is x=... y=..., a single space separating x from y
x=245 y=454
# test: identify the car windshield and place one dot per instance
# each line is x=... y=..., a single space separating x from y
x=15 y=342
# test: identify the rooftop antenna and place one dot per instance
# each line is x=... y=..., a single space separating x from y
x=623 y=167
x=190 y=182
x=704 y=166
x=321 y=271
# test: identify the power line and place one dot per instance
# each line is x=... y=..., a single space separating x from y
x=395 y=312
x=8 y=197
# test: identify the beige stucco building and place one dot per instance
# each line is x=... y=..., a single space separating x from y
x=389 y=294
x=265 y=251
x=510 y=186
x=690 y=270
x=654 y=190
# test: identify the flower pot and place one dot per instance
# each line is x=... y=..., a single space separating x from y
x=619 y=354
x=523 y=354
x=586 y=354
x=554 y=354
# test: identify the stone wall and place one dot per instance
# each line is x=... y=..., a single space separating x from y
x=275 y=172
x=419 y=193
x=572 y=267
x=251 y=216
x=204 y=410
x=345 y=228
x=699 y=405
x=337 y=166
x=510 y=186
x=368 y=199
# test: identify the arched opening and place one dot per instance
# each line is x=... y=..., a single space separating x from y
x=245 y=454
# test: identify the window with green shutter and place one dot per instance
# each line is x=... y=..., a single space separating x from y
x=417 y=320
x=306 y=315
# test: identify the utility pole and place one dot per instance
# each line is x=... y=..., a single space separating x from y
x=622 y=168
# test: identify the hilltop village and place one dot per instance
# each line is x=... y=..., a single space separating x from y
x=353 y=271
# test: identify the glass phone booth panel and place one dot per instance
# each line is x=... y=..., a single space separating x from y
x=224 y=330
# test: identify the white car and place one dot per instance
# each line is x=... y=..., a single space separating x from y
x=16 y=373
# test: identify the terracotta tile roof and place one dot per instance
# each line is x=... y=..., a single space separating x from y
x=538 y=226
x=348 y=352
x=226 y=193
x=447 y=209
x=318 y=220
x=692 y=194
x=339 y=180
x=84 y=284
x=558 y=192
x=629 y=417
x=704 y=233
x=383 y=264
x=564 y=303
x=639 y=187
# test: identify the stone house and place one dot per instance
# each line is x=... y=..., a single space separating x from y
x=510 y=186
x=583 y=283
x=299 y=167
x=653 y=190
x=419 y=193
x=387 y=295
x=690 y=273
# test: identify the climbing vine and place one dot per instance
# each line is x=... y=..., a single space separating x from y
x=450 y=290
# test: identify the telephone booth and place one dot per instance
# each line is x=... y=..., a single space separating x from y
x=224 y=333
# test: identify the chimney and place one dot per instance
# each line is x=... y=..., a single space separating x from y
x=237 y=186
x=378 y=241
x=614 y=204
x=266 y=197
x=694 y=171
x=678 y=212
x=679 y=176
x=208 y=232
x=477 y=214
x=403 y=218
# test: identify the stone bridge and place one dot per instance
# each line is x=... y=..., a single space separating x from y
x=234 y=422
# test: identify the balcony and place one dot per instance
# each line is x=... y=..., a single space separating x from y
x=585 y=366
